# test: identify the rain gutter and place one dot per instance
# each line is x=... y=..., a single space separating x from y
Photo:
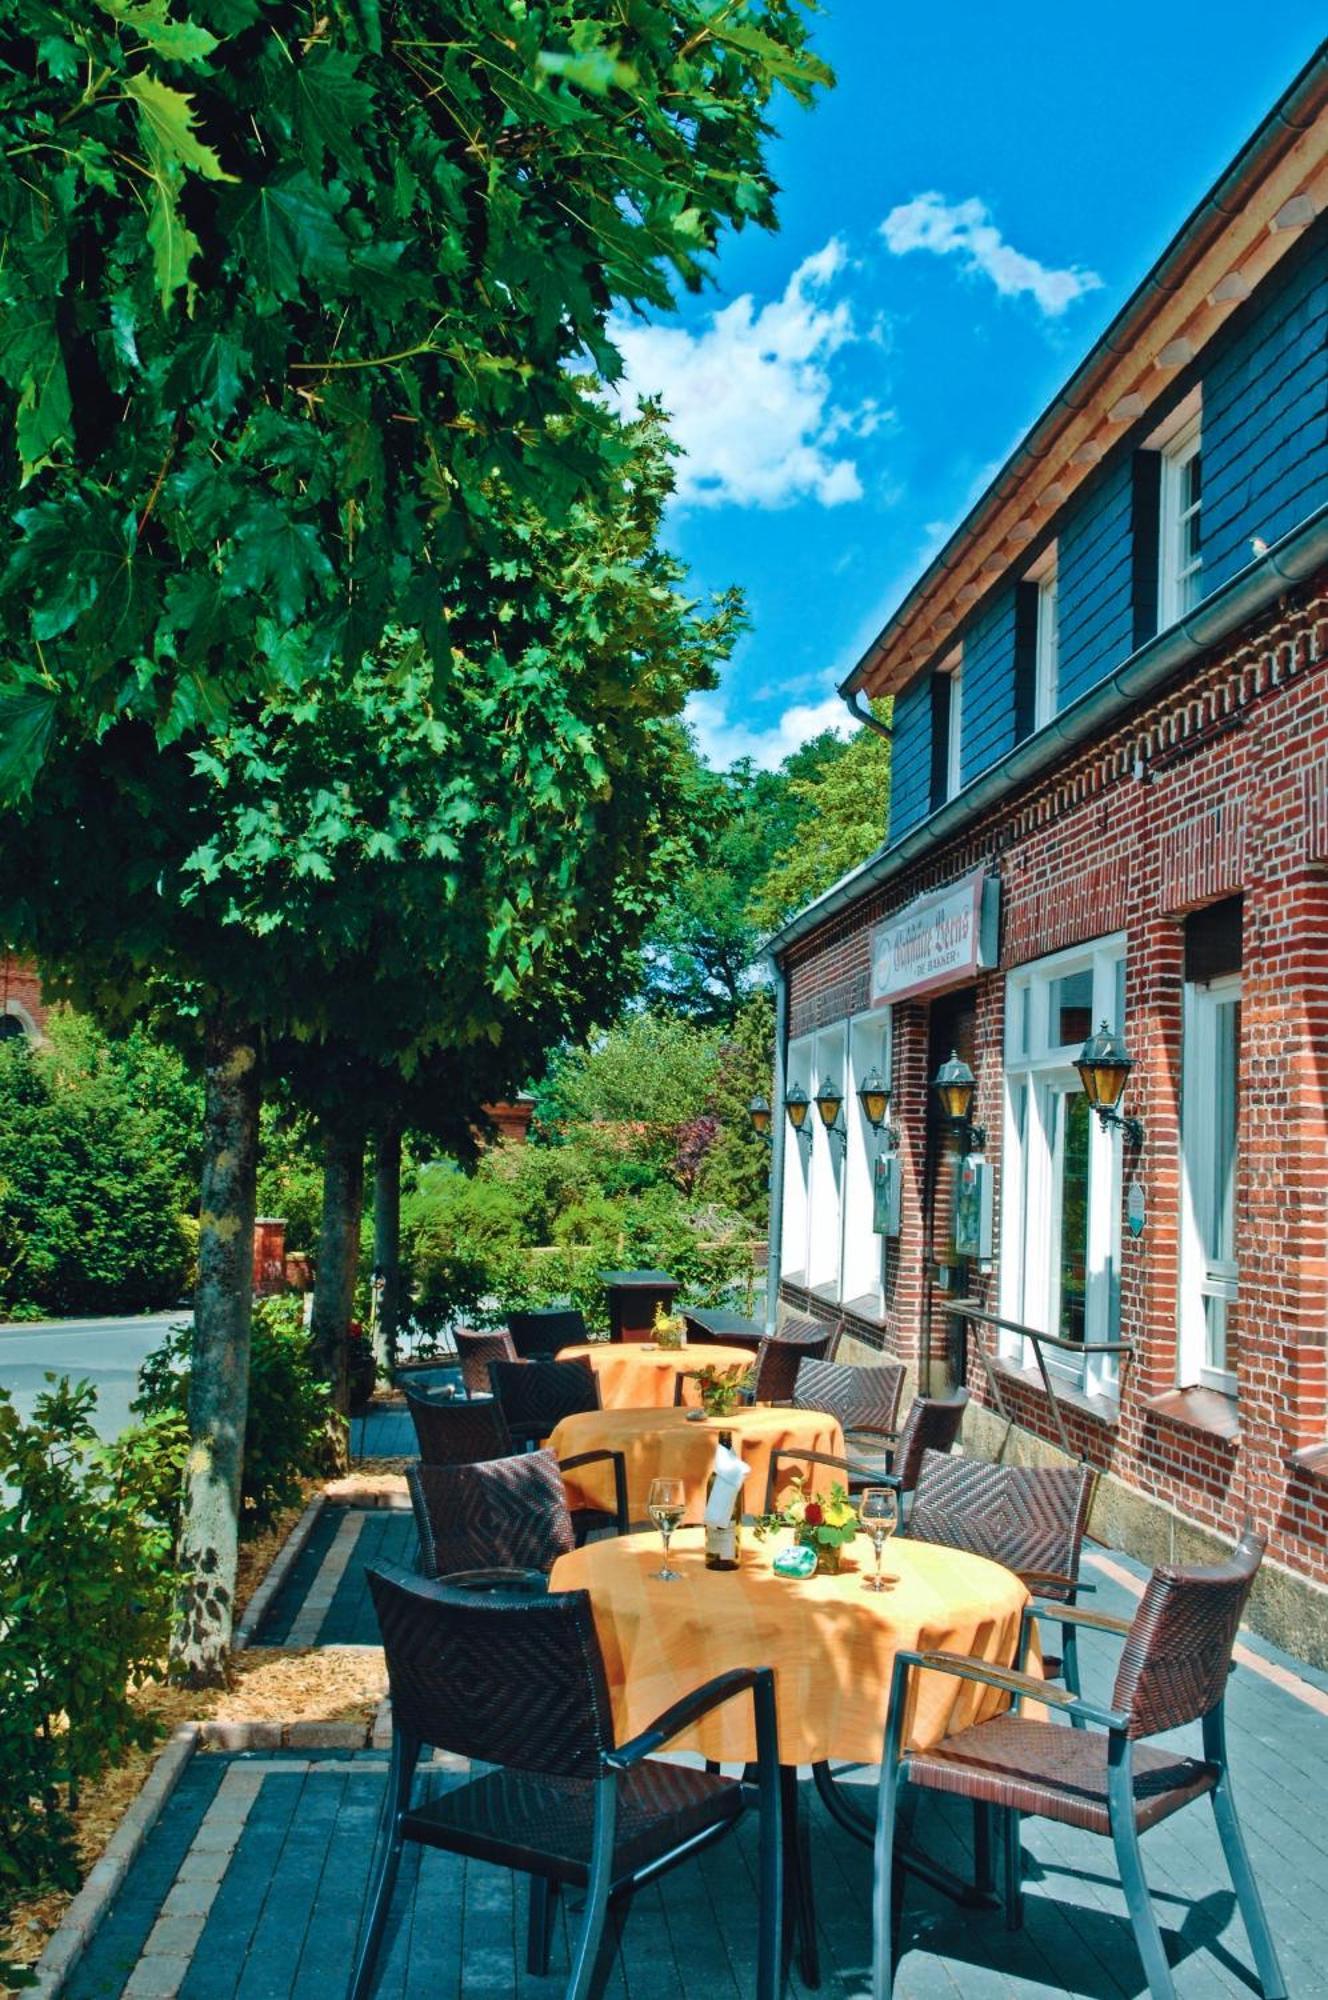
x=778 y=1128
x=1290 y=561
x=1294 y=113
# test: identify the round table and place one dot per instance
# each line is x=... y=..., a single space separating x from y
x=671 y=1443
x=831 y=1643
x=633 y=1375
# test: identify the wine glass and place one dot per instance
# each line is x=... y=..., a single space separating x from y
x=666 y=1506
x=878 y=1511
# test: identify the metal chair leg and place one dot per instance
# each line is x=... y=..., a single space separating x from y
x=401 y=1770
x=984 y=1878
x=539 y=1933
x=1070 y=1667
x=1125 y=1836
x=1238 y=1861
x=884 y=1895
x=587 y=1960
x=1011 y=1823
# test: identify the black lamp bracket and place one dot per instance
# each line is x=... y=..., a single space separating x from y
x=1112 y=1121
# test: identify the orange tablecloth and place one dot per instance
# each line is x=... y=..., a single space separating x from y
x=668 y=1444
x=831 y=1643
x=635 y=1376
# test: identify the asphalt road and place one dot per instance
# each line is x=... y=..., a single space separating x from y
x=106 y=1352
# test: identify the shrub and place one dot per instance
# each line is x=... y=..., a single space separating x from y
x=85 y=1599
x=286 y=1427
x=94 y=1170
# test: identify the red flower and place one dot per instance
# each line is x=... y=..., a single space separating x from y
x=813 y=1514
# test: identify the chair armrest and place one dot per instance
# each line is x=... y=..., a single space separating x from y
x=711 y=1694
x=619 y=1464
x=1075 y=1614
x=1009 y=1680
x=845 y=1465
x=532 y=1581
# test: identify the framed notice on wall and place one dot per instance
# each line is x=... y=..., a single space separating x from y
x=886 y=1180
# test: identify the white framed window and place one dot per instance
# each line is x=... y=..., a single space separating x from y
x=1180 y=557
x=864 y=1251
x=1210 y=1142
x=826 y=1167
x=1061 y=1172
x=1047 y=638
x=954 y=739
x=797 y=1162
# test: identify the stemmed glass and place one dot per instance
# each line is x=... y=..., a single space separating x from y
x=666 y=1506
x=878 y=1511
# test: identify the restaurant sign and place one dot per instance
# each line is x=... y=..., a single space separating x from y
x=941 y=940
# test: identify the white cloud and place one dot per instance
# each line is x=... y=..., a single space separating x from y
x=722 y=741
x=965 y=229
x=750 y=394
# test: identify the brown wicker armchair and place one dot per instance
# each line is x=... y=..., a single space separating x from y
x=1101 y=1778
x=518 y=1682
x=864 y=1398
x=536 y=1395
x=510 y=1513
x=475 y=1351
x=775 y=1369
x=461 y=1436
x=932 y=1424
x=538 y=1334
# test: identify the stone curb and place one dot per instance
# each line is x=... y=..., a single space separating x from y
x=70 y=1939
x=224 y=1734
x=353 y=1492
x=256 y=1609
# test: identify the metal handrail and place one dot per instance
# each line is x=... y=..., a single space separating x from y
x=975 y=1311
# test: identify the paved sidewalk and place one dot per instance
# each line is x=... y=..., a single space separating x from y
x=251 y=1886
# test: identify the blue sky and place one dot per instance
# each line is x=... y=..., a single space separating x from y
x=960 y=219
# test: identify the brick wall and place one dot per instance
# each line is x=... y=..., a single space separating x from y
x=20 y=991
x=1220 y=786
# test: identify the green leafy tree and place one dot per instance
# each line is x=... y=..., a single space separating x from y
x=99 y=1141
x=734 y=1174
x=843 y=816
x=333 y=626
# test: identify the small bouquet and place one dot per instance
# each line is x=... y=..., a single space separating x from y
x=669 y=1329
x=720 y=1388
x=824 y=1525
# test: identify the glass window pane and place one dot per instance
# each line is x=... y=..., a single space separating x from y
x=1071 y=1010
x=1075 y=1124
x=1018 y=1020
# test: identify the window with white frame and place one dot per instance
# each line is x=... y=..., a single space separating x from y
x=1210 y=1142
x=1061 y=1172
x=864 y=1251
x=954 y=741
x=1047 y=687
x=796 y=1208
x=1180 y=558
x=826 y=1166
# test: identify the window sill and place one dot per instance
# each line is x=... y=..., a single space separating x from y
x=867 y=1308
x=1205 y=1410
x=798 y=1278
x=1313 y=1459
x=1102 y=1409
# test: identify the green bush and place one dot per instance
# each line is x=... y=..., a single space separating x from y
x=95 y=1168
x=285 y=1430
x=85 y=1600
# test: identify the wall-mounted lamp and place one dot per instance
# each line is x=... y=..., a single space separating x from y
x=796 y=1103
x=956 y=1087
x=759 y=1113
x=1104 y=1064
x=874 y=1097
x=829 y=1103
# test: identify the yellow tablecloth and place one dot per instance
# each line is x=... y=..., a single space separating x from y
x=831 y=1643
x=669 y=1444
x=633 y=1376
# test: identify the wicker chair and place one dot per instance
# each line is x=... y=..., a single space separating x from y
x=778 y=1358
x=932 y=1424
x=865 y=1400
x=518 y=1682
x=536 y=1395
x=510 y=1513
x=1101 y=1779
x=538 y=1335
x=1030 y=1519
x=457 y=1433
x=475 y=1351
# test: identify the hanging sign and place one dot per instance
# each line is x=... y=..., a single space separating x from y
x=939 y=941
x=1134 y=1208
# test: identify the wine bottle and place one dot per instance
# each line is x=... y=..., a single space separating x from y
x=721 y=1539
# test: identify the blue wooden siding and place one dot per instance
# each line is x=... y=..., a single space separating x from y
x=910 y=759
x=1265 y=423
x=1094 y=549
x=988 y=729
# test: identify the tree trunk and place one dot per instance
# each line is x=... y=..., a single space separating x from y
x=219 y=1366
x=338 y=1261
x=387 y=1244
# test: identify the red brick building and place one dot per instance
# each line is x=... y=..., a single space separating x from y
x=1110 y=804
x=22 y=1010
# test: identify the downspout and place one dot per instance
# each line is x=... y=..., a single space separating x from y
x=852 y=701
x=778 y=1128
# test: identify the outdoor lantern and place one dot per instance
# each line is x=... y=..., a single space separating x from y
x=956 y=1086
x=1104 y=1064
x=874 y=1097
x=828 y=1101
x=795 y=1103
x=759 y=1113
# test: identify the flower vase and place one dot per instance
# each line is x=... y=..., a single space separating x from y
x=827 y=1554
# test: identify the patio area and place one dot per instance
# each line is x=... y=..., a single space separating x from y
x=251 y=1884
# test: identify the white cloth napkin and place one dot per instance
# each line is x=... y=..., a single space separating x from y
x=730 y=1472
